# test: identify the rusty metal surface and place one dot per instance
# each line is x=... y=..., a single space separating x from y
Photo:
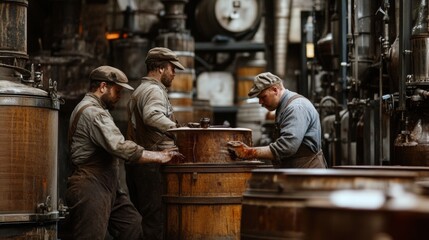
x=28 y=160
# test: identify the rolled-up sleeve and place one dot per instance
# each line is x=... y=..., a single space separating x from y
x=107 y=135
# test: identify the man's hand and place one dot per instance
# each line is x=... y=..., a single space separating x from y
x=164 y=156
x=239 y=150
x=174 y=155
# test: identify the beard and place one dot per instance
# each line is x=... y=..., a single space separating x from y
x=108 y=101
x=166 y=80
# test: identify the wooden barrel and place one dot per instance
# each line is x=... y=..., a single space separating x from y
x=360 y=214
x=422 y=172
x=182 y=107
x=202 y=109
x=209 y=145
x=251 y=114
x=203 y=201
x=274 y=200
x=246 y=71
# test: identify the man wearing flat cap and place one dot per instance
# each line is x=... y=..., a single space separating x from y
x=150 y=116
x=96 y=203
x=299 y=141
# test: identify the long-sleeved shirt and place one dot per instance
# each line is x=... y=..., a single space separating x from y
x=155 y=112
x=298 y=123
x=96 y=131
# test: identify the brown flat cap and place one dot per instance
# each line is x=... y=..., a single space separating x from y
x=261 y=82
x=110 y=74
x=164 y=54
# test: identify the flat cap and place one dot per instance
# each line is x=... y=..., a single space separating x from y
x=164 y=54
x=110 y=74
x=261 y=82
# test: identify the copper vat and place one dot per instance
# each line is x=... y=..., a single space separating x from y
x=274 y=201
x=28 y=160
x=209 y=145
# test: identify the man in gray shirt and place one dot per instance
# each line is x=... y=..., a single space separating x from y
x=95 y=201
x=150 y=116
x=299 y=141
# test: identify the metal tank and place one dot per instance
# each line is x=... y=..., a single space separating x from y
x=236 y=19
x=29 y=136
x=419 y=47
x=28 y=162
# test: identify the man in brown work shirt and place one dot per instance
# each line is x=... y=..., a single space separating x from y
x=151 y=115
x=95 y=201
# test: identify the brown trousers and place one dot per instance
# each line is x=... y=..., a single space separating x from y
x=96 y=205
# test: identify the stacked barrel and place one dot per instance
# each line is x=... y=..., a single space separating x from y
x=331 y=203
x=176 y=37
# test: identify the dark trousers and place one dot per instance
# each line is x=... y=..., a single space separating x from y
x=96 y=207
x=145 y=188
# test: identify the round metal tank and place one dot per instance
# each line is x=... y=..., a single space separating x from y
x=28 y=162
x=236 y=19
x=274 y=201
x=129 y=55
x=419 y=59
x=13 y=32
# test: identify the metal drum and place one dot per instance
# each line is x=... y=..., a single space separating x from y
x=420 y=56
x=28 y=162
x=360 y=214
x=237 y=19
x=13 y=32
x=274 y=201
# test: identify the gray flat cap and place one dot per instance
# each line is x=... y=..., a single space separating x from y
x=261 y=82
x=110 y=74
x=164 y=54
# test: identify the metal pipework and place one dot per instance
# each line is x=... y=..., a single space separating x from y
x=337 y=127
x=282 y=22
